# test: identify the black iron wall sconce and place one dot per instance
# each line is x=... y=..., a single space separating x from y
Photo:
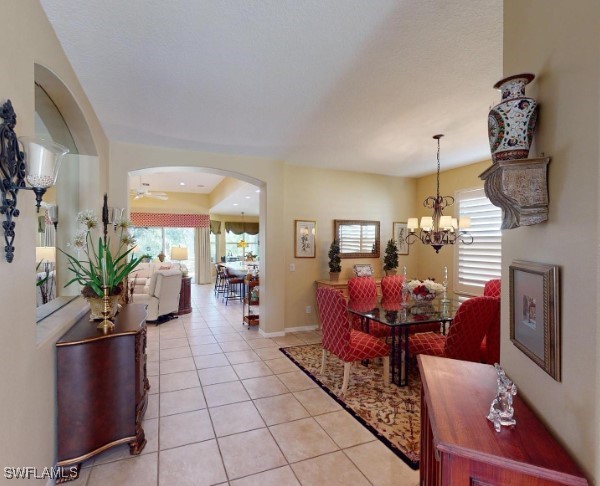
x=37 y=165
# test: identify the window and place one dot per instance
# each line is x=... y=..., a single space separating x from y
x=153 y=240
x=482 y=260
x=213 y=247
x=235 y=252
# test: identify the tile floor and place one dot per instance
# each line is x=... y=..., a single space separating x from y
x=227 y=407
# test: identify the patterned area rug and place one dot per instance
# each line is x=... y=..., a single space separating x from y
x=392 y=414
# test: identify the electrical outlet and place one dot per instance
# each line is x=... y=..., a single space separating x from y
x=308 y=309
x=292 y=267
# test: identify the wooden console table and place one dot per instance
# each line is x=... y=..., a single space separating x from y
x=185 y=297
x=101 y=387
x=342 y=285
x=459 y=445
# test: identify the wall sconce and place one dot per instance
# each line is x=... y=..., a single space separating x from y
x=37 y=165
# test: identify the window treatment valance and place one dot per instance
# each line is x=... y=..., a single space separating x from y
x=239 y=228
x=169 y=220
x=215 y=227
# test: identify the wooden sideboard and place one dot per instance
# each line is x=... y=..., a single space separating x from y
x=342 y=285
x=101 y=387
x=459 y=445
x=185 y=297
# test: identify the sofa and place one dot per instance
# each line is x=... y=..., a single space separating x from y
x=160 y=291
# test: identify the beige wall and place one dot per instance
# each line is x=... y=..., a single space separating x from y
x=178 y=203
x=559 y=42
x=428 y=262
x=322 y=196
x=27 y=407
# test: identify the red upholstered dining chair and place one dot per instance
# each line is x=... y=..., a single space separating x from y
x=465 y=335
x=391 y=288
x=490 y=346
x=344 y=342
x=364 y=289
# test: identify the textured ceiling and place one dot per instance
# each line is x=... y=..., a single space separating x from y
x=358 y=85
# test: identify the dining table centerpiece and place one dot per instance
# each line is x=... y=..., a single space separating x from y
x=422 y=292
x=103 y=267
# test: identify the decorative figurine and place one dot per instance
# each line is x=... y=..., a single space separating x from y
x=501 y=409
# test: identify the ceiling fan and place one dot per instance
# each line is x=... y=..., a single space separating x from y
x=143 y=191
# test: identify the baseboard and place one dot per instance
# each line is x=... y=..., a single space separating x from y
x=312 y=327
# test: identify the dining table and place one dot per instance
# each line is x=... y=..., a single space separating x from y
x=242 y=268
x=403 y=319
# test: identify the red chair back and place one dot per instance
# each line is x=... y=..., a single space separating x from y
x=362 y=288
x=492 y=288
x=391 y=288
x=469 y=326
x=335 y=323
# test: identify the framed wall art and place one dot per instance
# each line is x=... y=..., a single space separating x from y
x=305 y=233
x=400 y=232
x=534 y=313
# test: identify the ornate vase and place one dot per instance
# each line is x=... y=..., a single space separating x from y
x=512 y=121
x=97 y=306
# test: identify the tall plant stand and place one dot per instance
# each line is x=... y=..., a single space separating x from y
x=251 y=301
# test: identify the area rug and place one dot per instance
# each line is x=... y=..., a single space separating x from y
x=392 y=414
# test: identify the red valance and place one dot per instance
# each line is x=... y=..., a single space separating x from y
x=169 y=220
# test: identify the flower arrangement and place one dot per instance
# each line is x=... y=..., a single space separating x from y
x=100 y=267
x=424 y=289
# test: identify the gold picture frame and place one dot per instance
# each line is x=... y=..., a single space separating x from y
x=305 y=237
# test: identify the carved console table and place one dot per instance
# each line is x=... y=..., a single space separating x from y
x=101 y=388
x=520 y=188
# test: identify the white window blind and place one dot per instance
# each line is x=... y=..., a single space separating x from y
x=482 y=260
x=357 y=238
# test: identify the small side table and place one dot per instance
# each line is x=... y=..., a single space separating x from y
x=185 y=298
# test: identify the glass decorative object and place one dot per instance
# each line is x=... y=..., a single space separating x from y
x=501 y=410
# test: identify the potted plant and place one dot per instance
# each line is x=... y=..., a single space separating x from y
x=390 y=261
x=100 y=266
x=335 y=262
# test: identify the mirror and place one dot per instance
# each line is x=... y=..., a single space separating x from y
x=357 y=238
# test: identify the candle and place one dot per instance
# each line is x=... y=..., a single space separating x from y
x=104 y=273
x=445 y=274
x=404 y=272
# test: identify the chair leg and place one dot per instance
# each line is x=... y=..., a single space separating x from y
x=324 y=358
x=386 y=371
x=346 y=377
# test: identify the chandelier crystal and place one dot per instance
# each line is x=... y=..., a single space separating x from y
x=438 y=230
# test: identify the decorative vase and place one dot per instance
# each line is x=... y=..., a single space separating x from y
x=97 y=306
x=512 y=121
x=334 y=275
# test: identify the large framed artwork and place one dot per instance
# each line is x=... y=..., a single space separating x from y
x=534 y=313
x=400 y=232
x=305 y=234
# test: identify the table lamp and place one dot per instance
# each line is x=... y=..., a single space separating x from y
x=180 y=254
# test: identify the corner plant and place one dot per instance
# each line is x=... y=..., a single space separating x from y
x=100 y=266
x=335 y=262
x=390 y=261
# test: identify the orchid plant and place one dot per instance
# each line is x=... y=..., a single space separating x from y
x=101 y=267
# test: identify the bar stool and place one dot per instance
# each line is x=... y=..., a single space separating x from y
x=234 y=287
x=220 y=279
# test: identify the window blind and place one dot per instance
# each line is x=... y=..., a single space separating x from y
x=357 y=238
x=482 y=260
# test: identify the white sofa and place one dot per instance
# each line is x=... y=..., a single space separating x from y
x=160 y=293
x=140 y=277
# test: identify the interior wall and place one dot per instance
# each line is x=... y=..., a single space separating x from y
x=428 y=262
x=27 y=376
x=178 y=203
x=559 y=42
x=325 y=195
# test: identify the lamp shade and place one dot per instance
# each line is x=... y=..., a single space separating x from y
x=42 y=161
x=464 y=222
x=179 y=253
x=45 y=253
x=446 y=222
x=413 y=224
x=426 y=223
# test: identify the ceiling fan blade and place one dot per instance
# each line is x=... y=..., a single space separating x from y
x=138 y=196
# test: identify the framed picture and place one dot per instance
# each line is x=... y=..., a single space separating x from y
x=305 y=233
x=363 y=270
x=534 y=314
x=400 y=233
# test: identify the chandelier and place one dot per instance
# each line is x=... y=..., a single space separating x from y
x=242 y=243
x=439 y=230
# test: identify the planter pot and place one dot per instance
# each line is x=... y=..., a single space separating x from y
x=512 y=121
x=391 y=272
x=97 y=306
x=334 y=275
